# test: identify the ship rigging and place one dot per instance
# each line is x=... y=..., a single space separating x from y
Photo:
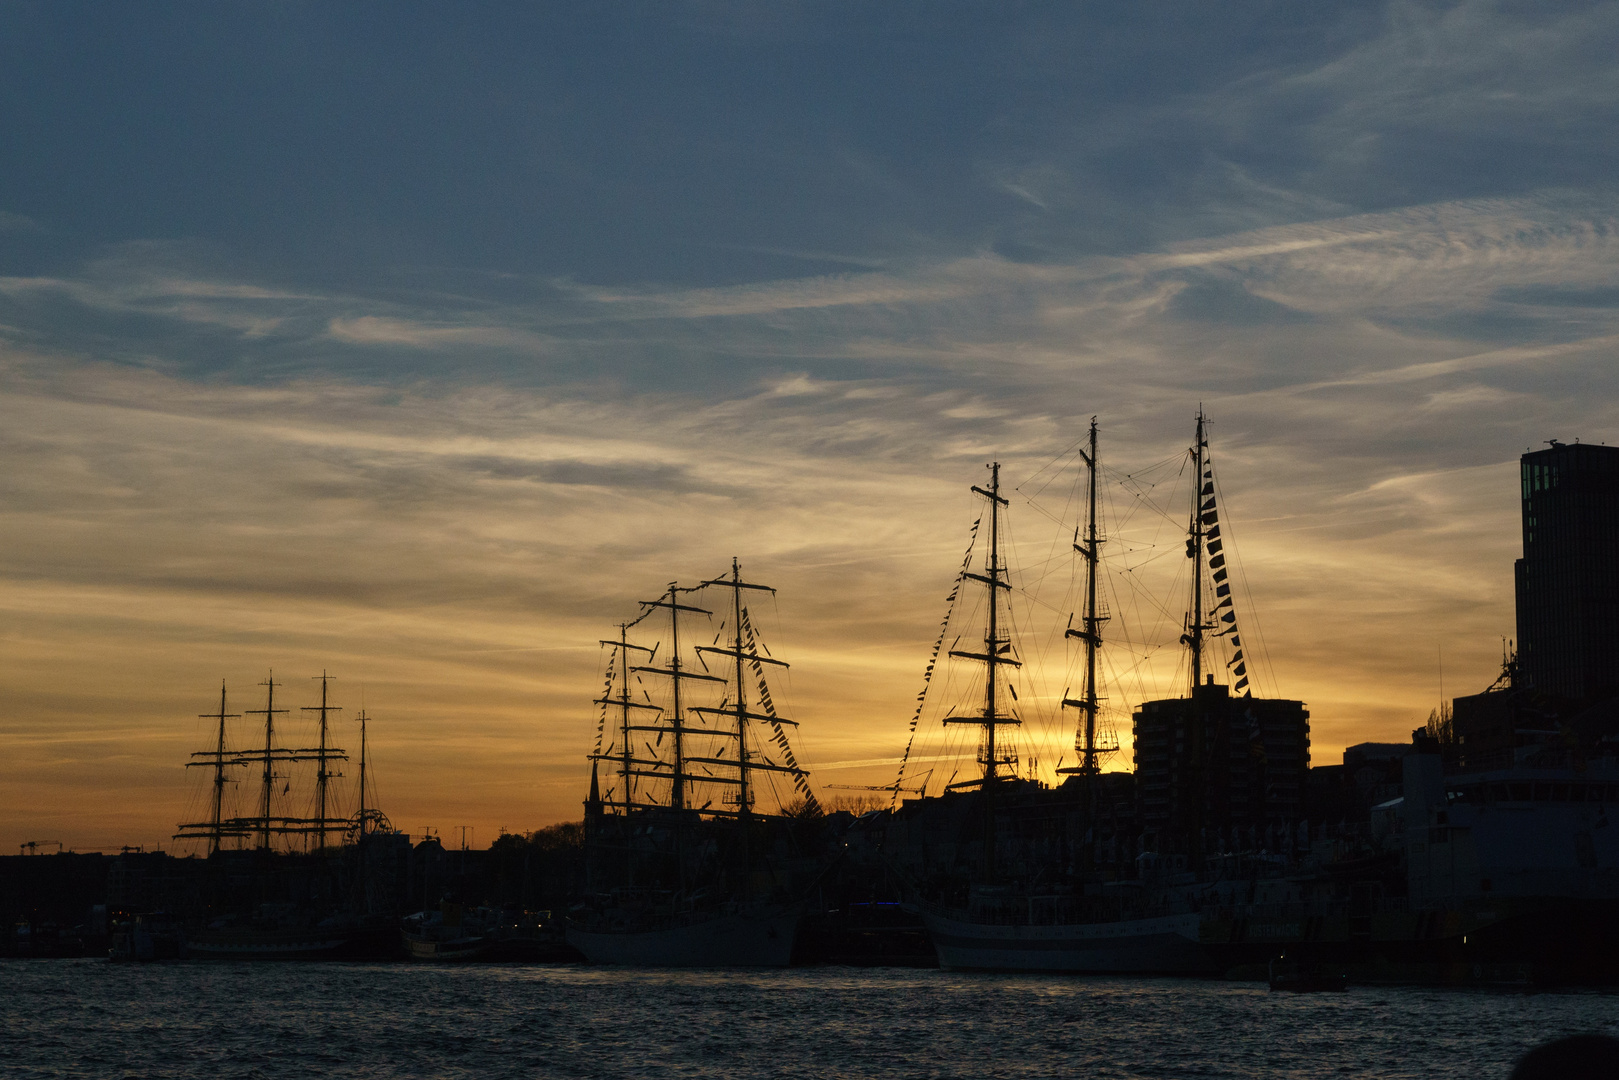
x=729 y=745
x=271 y=761
x=699 y=882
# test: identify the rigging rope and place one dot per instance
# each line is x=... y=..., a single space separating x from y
x=933 y=659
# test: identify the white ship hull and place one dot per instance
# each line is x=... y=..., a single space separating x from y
x=1166 y=945
x=734 y=940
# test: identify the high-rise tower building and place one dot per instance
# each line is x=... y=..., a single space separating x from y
x=1568 y=578
x=1211 y=763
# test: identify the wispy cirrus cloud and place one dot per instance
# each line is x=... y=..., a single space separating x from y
x=18 y=223
x=427 y=385
x=381 y=330
x=480 y=531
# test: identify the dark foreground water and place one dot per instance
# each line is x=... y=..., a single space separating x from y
x=86 y=1018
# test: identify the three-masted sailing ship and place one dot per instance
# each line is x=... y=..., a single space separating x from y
x=683 y=855
x=1079 y=918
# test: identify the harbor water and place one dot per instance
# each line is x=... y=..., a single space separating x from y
x=89 y=1018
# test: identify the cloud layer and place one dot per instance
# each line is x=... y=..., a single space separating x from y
x=441 y=441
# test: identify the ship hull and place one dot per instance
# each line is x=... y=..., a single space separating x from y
x=469 y=948
x=733 y=940
x=1166 y=945
x=316 y=944
x=266 y=945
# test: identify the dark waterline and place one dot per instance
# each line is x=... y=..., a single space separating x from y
x=86 y=1018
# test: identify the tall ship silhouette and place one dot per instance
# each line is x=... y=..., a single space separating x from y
x=307 y=824
x=1481 y=851
x=692 y=851
x=1052 y=881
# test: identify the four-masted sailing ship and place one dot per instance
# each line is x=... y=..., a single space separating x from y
x=684 y=849
x=347 y=929
x=324 y=825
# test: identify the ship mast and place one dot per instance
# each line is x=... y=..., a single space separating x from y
x=1195 y=626
x=621 y=701
x=676 y=674
x=744 y=797
x=739 y=707
x=368 y=815
x=265 y=799
x=265 y=823
x=1091 y=632
x=322 y=775
x=362 y=719
x=993 y=656
x=216 y=822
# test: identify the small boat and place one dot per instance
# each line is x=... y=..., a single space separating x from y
x=253 y=943
x=1298 y=977
x=531 y=937
x=447 y=934
x=275 y=936
x=154 y=935
x=485 y=934
x=1154 y=945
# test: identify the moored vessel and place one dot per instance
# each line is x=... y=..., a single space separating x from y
x=333 y=938
x=1077 y=900
x=258 y=896
x=447 y=934
x=674 y=881
x=749 y=936
x=1153 y=945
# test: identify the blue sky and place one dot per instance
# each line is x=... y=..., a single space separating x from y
x=418 y=341
x=685 y=144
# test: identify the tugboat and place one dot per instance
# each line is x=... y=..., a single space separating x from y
x=674 y=882
x=448 y=934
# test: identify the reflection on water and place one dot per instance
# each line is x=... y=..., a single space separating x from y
x=85 y=1018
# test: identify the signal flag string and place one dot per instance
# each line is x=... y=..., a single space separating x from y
x=933 y=658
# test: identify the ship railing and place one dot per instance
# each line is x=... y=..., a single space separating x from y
x=1055 y=910
x=1062 y=910
x=1290 y=911
x=1590 y=883
x=1336 y=908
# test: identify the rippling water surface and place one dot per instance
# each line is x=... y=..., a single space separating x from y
x=90 y=1018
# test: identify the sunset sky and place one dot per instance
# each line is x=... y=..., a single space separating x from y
x=417 y=342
